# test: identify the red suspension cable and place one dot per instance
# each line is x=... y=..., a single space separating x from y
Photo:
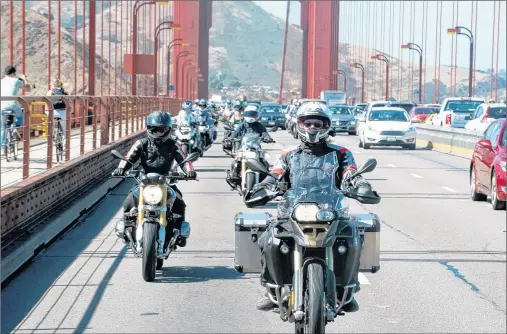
x=497 y=48
x=492 y=54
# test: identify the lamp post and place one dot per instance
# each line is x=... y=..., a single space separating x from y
x=187 y=62
x=137 y=5
x=413 y=46
x=342 y=72
x=361 y=67
x=181 y=54
x=158 y=29
x=457 y=30
x=192 y=71
x=171 y=44
x=382 y=57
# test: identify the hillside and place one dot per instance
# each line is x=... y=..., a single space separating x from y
x=243 y=51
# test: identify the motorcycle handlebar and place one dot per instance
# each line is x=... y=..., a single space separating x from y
x=173 y=175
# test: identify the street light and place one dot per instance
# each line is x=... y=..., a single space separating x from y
x=158 y=29
x=137 y=5
x=342 y=72
x=183 y=78
x=413 y=46
x=181 y=54
x=171 y=44
x=382 y=57
x=360 y=66
x=457 y=30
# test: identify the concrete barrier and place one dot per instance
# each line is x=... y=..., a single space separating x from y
x=459 y=142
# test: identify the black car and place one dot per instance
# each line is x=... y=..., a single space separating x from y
x=404 y=105
x=272 y=115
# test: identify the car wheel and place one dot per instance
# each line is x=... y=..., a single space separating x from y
x=495 y=202
x=360 y=142
x=473 y=193
x=366 y=146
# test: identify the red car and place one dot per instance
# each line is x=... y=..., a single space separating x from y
x=419 y=114
x=487 y=168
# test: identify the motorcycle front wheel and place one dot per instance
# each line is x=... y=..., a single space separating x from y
x=149 y=251
x=314 y=321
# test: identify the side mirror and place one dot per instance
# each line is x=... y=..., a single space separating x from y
x=332 y=133
x=256 y=166
x=228 y=128
x=367 y=167
x=274 y=129
x=118 y=155
x=257 y=198
x=485 y=143
x=190 y=158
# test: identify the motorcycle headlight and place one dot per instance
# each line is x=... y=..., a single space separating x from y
x=192 y=141
x=152 y=195
x=325 y=216
x=306 y=213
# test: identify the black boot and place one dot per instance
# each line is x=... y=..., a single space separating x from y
x=353 y=306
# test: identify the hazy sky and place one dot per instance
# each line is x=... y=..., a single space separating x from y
x=484 y=27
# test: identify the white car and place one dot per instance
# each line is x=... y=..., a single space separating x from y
x=484 y=115
x=387 y=126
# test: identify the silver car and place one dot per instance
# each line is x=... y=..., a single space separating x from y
x=342 y=119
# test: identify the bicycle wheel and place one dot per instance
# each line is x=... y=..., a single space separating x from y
x=7 y=144
x=15 y=145
x=59 y=143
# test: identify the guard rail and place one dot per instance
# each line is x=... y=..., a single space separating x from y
x=449 y=140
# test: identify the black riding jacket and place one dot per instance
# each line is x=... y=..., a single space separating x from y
x=155 y=158
x=281 y=170
x=245 y=128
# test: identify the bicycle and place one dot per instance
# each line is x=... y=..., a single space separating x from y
x=58 y=140
x=11 y=136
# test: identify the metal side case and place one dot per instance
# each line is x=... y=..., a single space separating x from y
x=369 y=228
x=248 y=229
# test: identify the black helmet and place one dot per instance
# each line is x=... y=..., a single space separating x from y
x=313 y=122
x=159 y=126
x=238 y=106
x=202 y=103
x=251 y=114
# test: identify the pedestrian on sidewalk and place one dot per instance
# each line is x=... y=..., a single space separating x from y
x=11 y=85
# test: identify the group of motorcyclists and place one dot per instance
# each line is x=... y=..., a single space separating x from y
x=159 y=149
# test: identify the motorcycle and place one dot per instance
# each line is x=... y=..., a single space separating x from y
x=207 y=131
x=144 y=228
x=188 y=138
x=250 y=153
x=319 y=251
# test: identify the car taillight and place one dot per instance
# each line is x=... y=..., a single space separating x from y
x=448 y=119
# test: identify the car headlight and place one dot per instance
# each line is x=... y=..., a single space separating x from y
x=306 y=213
x=152 y=195
x=410 y=129
x=352 y=122
x=325 y=216
x=502 y=164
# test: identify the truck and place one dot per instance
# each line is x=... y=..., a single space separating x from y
x=217 y=98
x=333 y=97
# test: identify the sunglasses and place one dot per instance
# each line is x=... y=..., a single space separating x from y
x=157 y=130
x=309 y=123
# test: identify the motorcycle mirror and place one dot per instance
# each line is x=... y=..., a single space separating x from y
x=367 y=167
x=227 y=128
x=190 y=158
x=274 y=129
x=332 y=133
x=118 y=155
x=257 y=166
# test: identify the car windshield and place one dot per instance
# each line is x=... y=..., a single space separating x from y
x=271 y=109
x=340 y=110
x=496 y=112
x=251 y=140
x=387 y=116
x=424 y=111
x=313 y=180
x=407 y=107
x=462 y=106
x=502 y=142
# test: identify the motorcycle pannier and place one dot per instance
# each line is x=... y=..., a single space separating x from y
x=369 y=228
x=248 y=229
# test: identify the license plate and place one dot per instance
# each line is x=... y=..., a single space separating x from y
x=271 y=123
x=391 y=139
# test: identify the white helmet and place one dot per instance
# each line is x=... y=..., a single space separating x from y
x=313 y=122
x=251 y=114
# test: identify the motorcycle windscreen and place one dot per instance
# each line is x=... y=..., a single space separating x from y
x=313 y=180
x=251 y=141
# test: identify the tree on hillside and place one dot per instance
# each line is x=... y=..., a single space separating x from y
x=235 y=84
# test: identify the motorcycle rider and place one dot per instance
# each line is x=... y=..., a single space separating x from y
x=250 y=124
x=185 y=115
x=243 y=100
x=203 y=115
x=195 y=107
x=313 y=126
x=156 y=154
x=238 y=114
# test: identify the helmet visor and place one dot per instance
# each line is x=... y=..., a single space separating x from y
x=311 y=124
x=158 y=131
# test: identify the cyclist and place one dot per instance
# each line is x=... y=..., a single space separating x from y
x=59 y=106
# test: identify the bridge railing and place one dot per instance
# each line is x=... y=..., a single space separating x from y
x=90 y=122
x=116 y=123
